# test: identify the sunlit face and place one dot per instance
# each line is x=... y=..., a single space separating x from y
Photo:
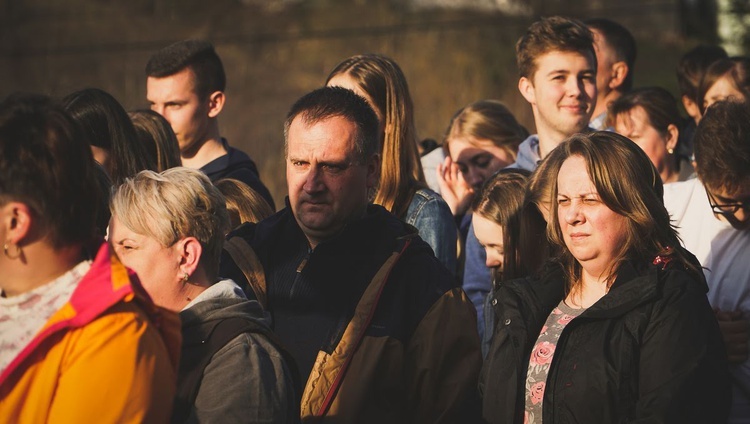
x=723 y=89
x=593 y=233
x=175 y=98
x=636 y=125
x=490 y=236
x=328 y=187
x=157 y=266
x=562 y=92
x=735 y=208
x=478 y=159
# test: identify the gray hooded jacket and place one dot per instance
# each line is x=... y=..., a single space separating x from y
x=247 y=380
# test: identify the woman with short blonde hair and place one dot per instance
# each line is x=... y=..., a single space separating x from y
x=169 y=228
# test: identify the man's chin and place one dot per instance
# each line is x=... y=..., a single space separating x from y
x=317 y=229
x=315 y=222
x=578 y=126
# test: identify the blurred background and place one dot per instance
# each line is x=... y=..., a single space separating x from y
x=453 y=52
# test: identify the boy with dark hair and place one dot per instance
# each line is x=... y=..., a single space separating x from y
x=186 y=84
x=615 y=55
x=712 y=214
x=199 y=56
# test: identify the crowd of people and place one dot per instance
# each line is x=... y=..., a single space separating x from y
x=594 y=272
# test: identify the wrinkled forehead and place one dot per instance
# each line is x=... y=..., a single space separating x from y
x=327 y=136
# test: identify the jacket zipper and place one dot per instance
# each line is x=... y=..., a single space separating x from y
x=298 y=276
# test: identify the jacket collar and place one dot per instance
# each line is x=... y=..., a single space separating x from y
x=106 y=283
x=633 y=286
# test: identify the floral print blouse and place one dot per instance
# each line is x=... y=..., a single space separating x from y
x=541 y=358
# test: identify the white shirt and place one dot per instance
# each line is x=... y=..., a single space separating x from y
x=430 y=163
x=725 y=255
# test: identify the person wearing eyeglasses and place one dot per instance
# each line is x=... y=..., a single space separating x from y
x=712 y=214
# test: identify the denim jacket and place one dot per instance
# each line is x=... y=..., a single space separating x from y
x=429 y=213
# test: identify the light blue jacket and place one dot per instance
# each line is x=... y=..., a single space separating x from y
x=429 y=214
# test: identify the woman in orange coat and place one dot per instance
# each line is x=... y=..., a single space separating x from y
x=79 y=339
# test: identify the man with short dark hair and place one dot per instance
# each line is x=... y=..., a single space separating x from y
x=712 y=214
x=186 y=84
x=378 y=327
x=615 y=56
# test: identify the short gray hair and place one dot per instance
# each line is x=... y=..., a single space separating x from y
x=179 y=202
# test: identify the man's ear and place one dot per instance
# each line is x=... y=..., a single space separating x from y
x=526 y=88
x=190 y=251
x=215 y=103
x=17 y=220
x=373 y=171
x=618 y=73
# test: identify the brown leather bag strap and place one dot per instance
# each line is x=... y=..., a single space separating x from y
x=357 y=328
x=247 y=261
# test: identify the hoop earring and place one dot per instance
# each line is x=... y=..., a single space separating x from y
x=8 y=255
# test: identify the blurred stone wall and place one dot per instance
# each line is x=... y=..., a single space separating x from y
x=276 y=50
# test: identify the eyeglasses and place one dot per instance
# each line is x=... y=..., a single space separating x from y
x=727 y=209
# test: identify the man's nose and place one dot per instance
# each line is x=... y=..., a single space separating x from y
x=313 y=180
x=574 y=86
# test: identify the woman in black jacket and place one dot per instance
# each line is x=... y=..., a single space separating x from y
x=618 y=327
